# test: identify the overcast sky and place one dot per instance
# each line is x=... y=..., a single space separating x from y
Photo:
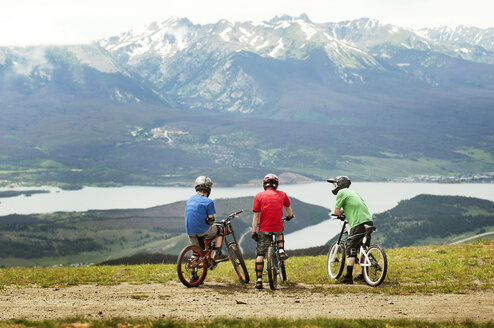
x=25 y=22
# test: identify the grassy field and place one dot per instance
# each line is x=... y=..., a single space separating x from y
x=461 y=268
x=227 y=323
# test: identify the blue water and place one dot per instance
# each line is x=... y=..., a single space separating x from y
x=379 y=196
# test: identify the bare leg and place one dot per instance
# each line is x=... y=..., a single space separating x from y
x=217 y=245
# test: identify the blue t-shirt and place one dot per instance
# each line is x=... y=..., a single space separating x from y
x=197 y=209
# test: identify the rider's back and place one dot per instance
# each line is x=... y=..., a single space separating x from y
x=270 y=204
x=356 y=211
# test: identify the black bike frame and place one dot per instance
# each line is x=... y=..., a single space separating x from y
x=342 y=231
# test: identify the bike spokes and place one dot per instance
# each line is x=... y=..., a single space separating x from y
x=238 y=263
x=192 y=266
x=375 y=272
x=336 y=260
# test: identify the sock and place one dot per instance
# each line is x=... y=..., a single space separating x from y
x=349 y=271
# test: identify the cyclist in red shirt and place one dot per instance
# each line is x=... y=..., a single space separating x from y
x=268 y=213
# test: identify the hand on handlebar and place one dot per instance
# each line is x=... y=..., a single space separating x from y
x=288 y=218
x=341 y=217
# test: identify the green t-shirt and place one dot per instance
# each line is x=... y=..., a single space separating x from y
x=356 y=211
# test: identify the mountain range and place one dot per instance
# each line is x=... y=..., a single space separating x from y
x=170 y=100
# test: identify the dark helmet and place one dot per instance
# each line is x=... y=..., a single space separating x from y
x=339 y=183
x=203 y=183
x=270 y=180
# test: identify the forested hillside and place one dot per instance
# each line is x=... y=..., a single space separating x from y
x=96 y=236
x=428 y=219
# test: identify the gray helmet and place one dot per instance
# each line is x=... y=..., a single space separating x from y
x=270 y=180
x=203 y=183
x=340 y=183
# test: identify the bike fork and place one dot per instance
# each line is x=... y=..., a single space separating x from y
x=363 y=254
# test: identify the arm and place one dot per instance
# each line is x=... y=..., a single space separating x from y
x=255 y=222
x=210 y=219
x=289 y=212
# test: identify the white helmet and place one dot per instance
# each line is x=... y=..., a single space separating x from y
x=203 y=183
x=270 y=180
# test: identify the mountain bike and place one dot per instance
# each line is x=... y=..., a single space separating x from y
x=371 y=258
x=194 y=261
x=274 y=265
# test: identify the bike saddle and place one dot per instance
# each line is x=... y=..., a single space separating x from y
x=369 y=228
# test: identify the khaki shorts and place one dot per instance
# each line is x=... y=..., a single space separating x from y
x=211 y=233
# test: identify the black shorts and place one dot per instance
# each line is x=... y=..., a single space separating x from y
x=355 y=237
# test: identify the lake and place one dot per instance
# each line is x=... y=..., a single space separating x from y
x=379 y=197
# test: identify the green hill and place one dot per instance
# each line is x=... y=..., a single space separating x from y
x=428 y=219
x=97 y=236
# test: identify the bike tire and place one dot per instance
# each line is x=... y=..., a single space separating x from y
x=191 y=260
x=238 y=263
x=336 y=260
x=282 y=271
x=272 y=270
x=375 y=274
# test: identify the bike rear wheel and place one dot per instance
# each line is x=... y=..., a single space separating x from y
x=272 y=269
x=192 y=266
x=238 y=263
x=375 y=273
x=336 y=260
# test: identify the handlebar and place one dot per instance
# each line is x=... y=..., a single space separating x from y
x=286 y=219
x=341 y=217
x=231 y=216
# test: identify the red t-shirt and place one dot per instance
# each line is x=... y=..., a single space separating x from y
x=270 y=203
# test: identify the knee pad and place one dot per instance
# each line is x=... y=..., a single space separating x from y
x=221 y=230
x=261 y=266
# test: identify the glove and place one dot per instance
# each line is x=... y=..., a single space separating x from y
x=255 y=236
x=288 y=218
x=209 y=220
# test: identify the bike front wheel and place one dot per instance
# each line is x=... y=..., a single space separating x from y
x=375 y=273
x=238 y=263
x=336 y=260
x=272 y=269
x=192 y=266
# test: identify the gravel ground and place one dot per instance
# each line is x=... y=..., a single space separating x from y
x=173 y=300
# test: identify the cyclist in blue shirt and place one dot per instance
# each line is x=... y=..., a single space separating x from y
x=199 y=218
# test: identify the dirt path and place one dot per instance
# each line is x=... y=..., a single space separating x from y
x=172 y=300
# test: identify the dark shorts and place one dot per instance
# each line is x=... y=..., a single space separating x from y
x=355 y=237
x=265 y=239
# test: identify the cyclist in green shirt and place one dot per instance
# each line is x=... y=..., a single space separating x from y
x=357 y=214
